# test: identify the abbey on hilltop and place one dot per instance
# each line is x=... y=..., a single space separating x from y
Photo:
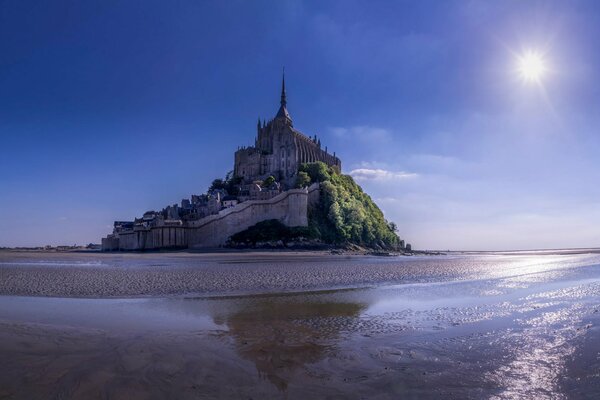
x=267 y=197
x=263 y=186
x=279 y=150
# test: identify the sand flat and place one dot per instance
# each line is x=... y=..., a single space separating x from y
x=173 y=274
x=491 y=326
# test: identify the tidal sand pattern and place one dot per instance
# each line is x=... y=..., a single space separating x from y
x=299 y=325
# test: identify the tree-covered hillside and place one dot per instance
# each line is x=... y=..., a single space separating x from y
x=345 y=214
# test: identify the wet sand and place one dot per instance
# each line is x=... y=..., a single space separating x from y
x=176 y=274
x=499 y=327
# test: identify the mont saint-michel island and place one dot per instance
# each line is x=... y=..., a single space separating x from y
x=288 y=188
x=414 y=215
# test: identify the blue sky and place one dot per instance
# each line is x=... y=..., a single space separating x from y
x=112 y=108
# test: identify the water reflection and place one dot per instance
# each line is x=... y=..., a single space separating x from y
x=549 y=334
x=286 y=337
x=509 y=337
x=281 y=336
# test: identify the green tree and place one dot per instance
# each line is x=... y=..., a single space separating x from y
x=345 y=214
x=318 y=171
x=269 y=181
x=302 y=179
x=229 y=183
x=217 y=184
x=270 y=230
x=393 y=227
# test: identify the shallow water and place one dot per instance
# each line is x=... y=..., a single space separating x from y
x=470 y=326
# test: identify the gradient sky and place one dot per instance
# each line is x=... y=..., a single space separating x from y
x=112 y=108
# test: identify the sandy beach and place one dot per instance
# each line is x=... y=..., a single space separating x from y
x=297 y=326
x=191 y=274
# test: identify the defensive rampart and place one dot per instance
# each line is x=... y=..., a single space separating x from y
x=289 y=207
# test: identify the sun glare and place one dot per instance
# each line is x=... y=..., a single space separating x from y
x=532 y=66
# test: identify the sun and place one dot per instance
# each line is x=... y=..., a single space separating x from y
x=531 y=66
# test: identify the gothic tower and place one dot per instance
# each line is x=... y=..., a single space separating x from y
x=279 y=149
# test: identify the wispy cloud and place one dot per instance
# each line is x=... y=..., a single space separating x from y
x=378 y=174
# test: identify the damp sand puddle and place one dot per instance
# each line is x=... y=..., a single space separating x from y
x=520 y=335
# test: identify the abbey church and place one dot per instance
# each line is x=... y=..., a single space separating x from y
x=279 y=150
x=263 y=186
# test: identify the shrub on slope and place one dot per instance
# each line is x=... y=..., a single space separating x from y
x=346 y=214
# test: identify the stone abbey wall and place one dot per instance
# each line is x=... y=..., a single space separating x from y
x=279 y=151
x=155 y=238
x=314 y=194
x=290 y=207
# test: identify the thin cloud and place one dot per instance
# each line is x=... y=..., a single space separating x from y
x=378 y=174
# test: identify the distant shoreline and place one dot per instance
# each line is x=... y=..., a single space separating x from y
x=226 y=250
x=323 y=251
x=576 y=250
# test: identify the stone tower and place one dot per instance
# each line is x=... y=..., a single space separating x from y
x=279 y=149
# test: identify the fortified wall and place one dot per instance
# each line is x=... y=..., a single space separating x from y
x=289 y=207
x=260 y=187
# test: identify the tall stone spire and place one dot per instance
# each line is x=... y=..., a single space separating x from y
x=283 y=112
x=283 y=97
